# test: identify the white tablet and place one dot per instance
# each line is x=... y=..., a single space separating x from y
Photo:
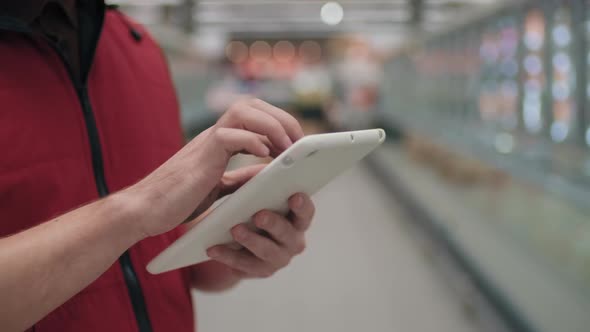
x=305 y=167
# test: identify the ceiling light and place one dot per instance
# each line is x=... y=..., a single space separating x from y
x=332 y=13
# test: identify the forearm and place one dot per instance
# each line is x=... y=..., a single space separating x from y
x=43 y=267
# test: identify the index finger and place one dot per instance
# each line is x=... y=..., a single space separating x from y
x=255 y=120
x=233 y=180
x=291 y=125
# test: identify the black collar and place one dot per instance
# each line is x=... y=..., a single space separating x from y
x=29 y=10
x=15 y=24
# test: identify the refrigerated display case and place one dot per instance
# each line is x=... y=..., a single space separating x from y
x=585 y=29
x=500 y=67
x=489 y=89
x=563 y=104
x=508 y=69
x=499 y=94
x=533 y=79
x=470 y=70
x=523 y=216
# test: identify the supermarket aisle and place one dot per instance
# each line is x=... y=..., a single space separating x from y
x=361 y=272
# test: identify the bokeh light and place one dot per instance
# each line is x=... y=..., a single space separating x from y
x=236 y=51
x=332 y=13
x=284 y=51
x=260 y=51
x=310 y=51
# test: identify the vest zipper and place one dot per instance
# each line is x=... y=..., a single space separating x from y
x=93 y=138
x=129 y=274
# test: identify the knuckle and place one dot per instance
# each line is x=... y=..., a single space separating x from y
x=270 y=223
x=281 y=232
x=246 y=239
x=231 y=260
x=235 y=110
x=252 y=139
x=272 y=219
x=267 y=253
x=256 y=102
x=236 y=105
x=231 y=110
x=218 y=133
x=292 y=121
x=277 y=126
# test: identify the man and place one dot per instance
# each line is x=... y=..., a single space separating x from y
x=87 y=108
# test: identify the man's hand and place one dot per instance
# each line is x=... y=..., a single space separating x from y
x=263 y=255
x=189 y=179
x=72 y=250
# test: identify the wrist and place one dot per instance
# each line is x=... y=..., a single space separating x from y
x=132 y=209
x=158 y=203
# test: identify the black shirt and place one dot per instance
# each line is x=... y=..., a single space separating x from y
x=73 y=26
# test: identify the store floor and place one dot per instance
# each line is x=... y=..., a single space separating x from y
x=361 y=272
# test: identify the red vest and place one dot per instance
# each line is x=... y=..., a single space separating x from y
x=49 y=166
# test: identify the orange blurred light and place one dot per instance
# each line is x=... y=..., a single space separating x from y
x=310 y=51
x=284 y=51
x=236 y=51
x=260 y=51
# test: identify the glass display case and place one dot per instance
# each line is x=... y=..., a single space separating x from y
x=489 y=103
x=533 y=78
x=563 y=104
x=586 y=61
x=499 y=98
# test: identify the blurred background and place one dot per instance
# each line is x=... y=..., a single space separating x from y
x=474 y=216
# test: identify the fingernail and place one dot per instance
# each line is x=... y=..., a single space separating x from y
x=287 y=142
x=265 y=151
x=241 y=233
x=298 y=201
x=263 y=220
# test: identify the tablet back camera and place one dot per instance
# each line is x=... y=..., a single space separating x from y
x=288 y=161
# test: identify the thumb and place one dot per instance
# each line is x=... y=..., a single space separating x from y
x=233 y=180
